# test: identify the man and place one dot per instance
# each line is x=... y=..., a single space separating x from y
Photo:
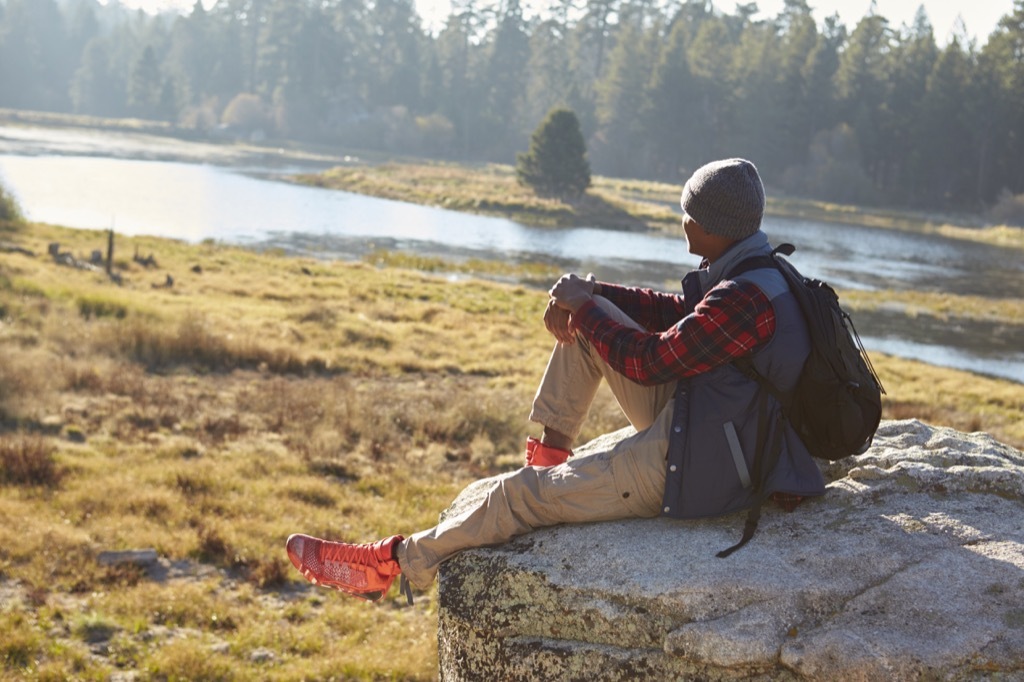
x=670 y=361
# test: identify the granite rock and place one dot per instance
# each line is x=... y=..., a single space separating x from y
x=910 y=567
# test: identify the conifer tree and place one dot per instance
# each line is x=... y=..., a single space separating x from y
x=556 y=164
x=144 y=85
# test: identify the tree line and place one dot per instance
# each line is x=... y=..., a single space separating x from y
x=873 y=114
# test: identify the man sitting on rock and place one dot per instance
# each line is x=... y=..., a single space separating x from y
x=669 y=361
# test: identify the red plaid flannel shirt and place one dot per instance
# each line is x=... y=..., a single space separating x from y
x=731 y=321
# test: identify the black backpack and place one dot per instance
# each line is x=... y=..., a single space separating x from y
x=836 y=404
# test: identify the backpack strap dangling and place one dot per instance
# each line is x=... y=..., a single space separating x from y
x=764 y=464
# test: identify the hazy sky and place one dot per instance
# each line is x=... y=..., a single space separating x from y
x=980 y=16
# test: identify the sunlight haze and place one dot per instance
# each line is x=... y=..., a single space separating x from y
x=980 y=16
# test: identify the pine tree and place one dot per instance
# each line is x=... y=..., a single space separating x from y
x=671 y=115
x=144 y=85
x=619 y=135
x=505 y=75
x=95 y=89
x=556 y=164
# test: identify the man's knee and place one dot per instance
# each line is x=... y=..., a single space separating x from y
x=615 y=312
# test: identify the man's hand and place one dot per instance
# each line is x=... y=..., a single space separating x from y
x=558 y=321
x=571 y=292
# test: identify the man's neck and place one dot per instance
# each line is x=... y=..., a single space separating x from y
x=717 y=247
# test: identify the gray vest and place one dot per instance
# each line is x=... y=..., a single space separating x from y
x=714 y=439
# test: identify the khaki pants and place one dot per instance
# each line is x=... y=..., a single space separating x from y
x=625 y=482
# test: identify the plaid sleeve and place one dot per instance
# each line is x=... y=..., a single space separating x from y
x=733 y=320
x=653 y=310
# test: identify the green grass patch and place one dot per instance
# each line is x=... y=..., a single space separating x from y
x=101 y=306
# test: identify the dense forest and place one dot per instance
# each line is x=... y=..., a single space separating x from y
x=869 y=114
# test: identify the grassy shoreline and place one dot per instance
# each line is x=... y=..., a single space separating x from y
x=262 y=395
x=491 y=189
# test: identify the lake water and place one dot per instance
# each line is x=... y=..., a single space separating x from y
x=192 y=191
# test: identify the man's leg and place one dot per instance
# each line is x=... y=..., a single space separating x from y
x=571 y=380
x=625 y=482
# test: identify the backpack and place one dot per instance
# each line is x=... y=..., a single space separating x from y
x=836 y=404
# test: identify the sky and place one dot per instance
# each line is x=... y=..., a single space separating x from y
x=980 y=16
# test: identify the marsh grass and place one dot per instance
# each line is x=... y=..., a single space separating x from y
x=613 y=202
x=492 y=189
x=954 y=227
x=965 y=401
x=251 y=401
x=942 y=306
x=28 y=460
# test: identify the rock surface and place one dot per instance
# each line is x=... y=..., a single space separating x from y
x=911 y=567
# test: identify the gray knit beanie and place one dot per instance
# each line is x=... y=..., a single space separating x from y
x=726 y=198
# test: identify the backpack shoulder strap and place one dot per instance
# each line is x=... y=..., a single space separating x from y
x=745 y=365
x=759 y=262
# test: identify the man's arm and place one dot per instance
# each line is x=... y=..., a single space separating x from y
x=732 y=321
x=653 y=310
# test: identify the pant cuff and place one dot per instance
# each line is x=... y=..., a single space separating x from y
x=419 y=578
x=553 y=421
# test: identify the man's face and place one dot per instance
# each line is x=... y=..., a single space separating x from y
x=694 y=235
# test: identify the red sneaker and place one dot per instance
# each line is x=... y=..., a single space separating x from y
x=365 y=571
x=540 y=455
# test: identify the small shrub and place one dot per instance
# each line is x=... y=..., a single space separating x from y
x=20 y=644
x=1009 y=210
x=92 y=628
x=9 y=208
x=435 y=134
x=191 y=485
x=27 y=379
x=189 y=659
x=218 y=428
x=213 y=548
x=27 y=460
x=97 y=306
x=82 y=378
x=320 y=314
x=313 y=493
x=269 y=574
x=331 y=467
x=246 y=112
x=123 y=575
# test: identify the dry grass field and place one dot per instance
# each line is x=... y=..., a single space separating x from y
x=262 y=395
